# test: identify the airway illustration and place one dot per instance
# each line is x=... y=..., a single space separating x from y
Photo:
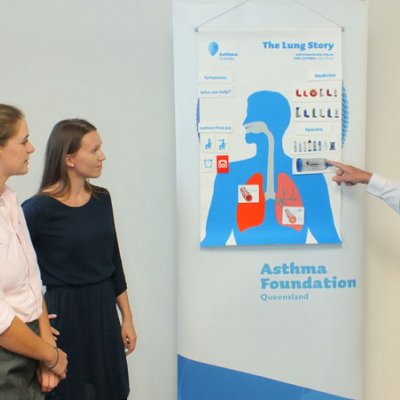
x=245 y=193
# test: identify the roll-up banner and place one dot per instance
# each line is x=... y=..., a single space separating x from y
x=269 y=248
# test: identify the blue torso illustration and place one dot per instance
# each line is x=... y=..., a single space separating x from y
x=270 y=110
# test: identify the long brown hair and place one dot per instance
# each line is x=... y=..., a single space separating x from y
x=65 y=138
x=9 y=117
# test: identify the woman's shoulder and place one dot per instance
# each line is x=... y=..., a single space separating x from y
x=100 y=195
x=37 y=201
x=37 y=205
x=99 y=191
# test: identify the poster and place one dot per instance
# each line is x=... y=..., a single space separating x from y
x=269 y=117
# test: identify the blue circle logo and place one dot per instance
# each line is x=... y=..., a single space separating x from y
x=213 y=48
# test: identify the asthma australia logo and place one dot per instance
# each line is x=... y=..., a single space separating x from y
x=214 y=49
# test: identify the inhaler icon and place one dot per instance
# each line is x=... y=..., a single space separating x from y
x=213 y=48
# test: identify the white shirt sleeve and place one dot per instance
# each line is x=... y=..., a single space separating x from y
x=386 y=190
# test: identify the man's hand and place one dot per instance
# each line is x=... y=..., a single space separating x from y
x=348 y=174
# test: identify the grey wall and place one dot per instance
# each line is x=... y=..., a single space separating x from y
x=111 y=63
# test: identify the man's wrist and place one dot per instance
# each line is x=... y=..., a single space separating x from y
x=367 y=177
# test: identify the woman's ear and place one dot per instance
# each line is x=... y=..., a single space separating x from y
x=69 y=161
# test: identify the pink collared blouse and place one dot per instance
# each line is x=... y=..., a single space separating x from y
x=20 y=283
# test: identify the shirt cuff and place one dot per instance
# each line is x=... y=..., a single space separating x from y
x=376 y=185
x=7 y=316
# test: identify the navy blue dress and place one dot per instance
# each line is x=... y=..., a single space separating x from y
x=81 y=267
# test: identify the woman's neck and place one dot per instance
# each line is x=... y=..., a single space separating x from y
x=76 y=195
x=75 y=199
x=3 y=180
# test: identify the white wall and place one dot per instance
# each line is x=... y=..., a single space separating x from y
x=111 y=63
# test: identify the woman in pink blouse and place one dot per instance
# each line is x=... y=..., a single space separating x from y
x=30 y=362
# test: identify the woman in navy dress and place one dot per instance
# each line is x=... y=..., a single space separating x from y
x=72 y=229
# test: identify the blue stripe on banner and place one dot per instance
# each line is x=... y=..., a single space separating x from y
x=199 y=381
